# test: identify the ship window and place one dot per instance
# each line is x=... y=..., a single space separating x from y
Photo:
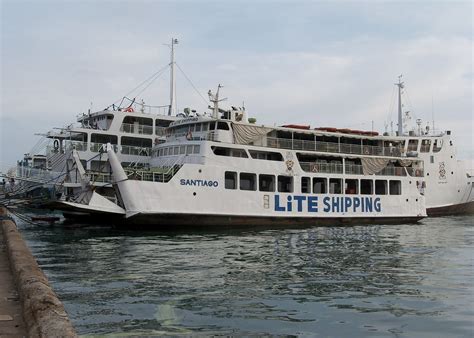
x=248 y=181
x=366 y=187
x=230 y=180
x=266 y=183
x=380 y=187
x=182 y=150
x=412 y=145
x=196 y=149
x=431 y=159
x=212 y=125
x=306 y=185
x=176 y=150
x=165 y=151
x=205 y=126
x=103 y=138
x=319 y=185
x=285 y=184
x=335 y=186
x=222 y=125
x=162 y=123
x=232 y=152
x=198 y=127
x=438 y=144
x=351 y=186
x=266 y=155
x=425 y=146
x=395 y=187
x=189 y=149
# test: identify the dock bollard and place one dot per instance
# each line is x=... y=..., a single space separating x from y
x=43 y=313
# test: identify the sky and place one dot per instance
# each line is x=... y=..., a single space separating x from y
x=323 y=63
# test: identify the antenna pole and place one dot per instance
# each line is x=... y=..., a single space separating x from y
x=172 y=107
x=432 y=112
x=400 y=117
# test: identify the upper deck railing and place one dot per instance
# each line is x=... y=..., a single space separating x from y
x=136 y=128
x=318 y=167
x=356 y=169
x=330 y=147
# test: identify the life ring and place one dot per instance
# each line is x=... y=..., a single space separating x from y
x=129 y=109
x=56 y=145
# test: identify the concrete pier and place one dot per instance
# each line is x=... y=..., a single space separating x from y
x=11 y=317
x=33 y=307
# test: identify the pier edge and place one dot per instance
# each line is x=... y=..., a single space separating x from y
x=43 y=312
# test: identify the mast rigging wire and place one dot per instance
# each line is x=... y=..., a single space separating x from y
x=194 y=87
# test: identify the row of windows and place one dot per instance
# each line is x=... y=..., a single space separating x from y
x=255 y=154
x=317 y=185
x=425 y=145
x=248 y=181
x=177 y=150
x=199 y=127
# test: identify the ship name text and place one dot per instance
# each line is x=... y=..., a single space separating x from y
x=327 y=204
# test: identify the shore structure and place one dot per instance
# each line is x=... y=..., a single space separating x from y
x=36 y=311
x=11 y=317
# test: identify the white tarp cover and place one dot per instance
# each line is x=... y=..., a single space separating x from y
x=372 y=166
x=245 y=134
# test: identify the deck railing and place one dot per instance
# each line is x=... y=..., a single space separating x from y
x=414 y=172
x=162 y=175
x=318 y=167
x=356 y=169
x=99 y=147
x=131 y=150
x=78 y=145
x=330 y=147
x=98 y=177
x=136 y=128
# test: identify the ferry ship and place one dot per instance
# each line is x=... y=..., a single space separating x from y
x=225 y=170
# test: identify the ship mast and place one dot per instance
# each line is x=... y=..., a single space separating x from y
x=214 y=98
x=400 y=117
x=172 y=107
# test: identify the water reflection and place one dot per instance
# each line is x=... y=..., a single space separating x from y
x=357 y=281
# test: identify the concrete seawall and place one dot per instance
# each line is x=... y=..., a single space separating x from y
x=43 y=313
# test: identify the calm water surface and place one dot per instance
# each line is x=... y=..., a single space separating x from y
x=412 y=280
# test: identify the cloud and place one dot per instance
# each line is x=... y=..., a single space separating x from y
x=324 y=64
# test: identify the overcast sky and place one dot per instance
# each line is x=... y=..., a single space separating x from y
x=313 y=62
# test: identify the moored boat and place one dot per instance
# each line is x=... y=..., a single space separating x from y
x=222 y=170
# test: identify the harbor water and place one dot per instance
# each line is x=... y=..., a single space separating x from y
x=409 y=280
